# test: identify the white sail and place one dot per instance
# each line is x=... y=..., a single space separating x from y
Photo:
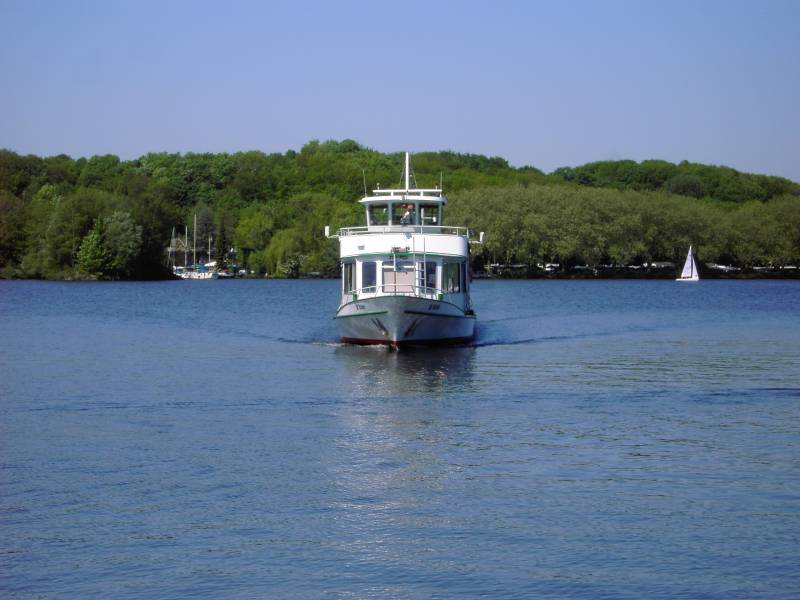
x=689 y=272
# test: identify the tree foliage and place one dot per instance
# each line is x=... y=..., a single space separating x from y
x=578 y=225
x=108 y=218
x=110 y=248
x=685 y=178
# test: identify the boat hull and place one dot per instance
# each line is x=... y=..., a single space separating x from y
x=199 y=275
x=404 y=320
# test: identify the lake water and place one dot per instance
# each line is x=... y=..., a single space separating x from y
x=601 y=439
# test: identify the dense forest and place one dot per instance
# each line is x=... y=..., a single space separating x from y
x=104 y=218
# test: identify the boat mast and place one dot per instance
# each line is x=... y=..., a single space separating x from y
x=407 y=170
x=172 y=245
x=194 y=241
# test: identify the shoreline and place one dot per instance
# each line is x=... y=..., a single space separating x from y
x=746 y=276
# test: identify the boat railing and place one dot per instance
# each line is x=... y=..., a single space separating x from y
x=395 y=289
x=399 y=289
x=427 y=229
x=407 y=289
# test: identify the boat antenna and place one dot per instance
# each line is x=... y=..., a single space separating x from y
x=364 y=175
x=407 y=170
x=441 y=187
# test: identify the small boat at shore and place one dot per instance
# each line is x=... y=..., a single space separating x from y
x=689 y=272
x=405 y=276
x=199 y=271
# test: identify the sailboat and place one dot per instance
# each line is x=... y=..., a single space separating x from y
x=689 y=272
x=197 y=270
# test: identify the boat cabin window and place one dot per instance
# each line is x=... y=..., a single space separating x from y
x=369 y=273
x=398 y=277
x=403 y=214
x=452 y=277
x=348 y=277
x=378 y=214
x=426 y=276
x=429 y=214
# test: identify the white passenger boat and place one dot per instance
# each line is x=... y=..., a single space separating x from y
x=689 y=272
x=405 y=276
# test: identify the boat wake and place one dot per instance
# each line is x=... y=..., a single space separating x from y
x=480 y=343
x=484 y=338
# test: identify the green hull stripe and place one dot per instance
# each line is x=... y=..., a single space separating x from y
x=403 y=296
x=362 y=314
x=431 y=314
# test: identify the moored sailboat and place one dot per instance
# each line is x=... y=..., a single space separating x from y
x=207 y=270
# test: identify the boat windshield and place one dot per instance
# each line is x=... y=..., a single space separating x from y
x=378 y=214
x=403 y=214
x=429 y=214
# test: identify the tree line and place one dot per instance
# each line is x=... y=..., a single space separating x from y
x=541 y=224
x=684 y=179
x=105 y=218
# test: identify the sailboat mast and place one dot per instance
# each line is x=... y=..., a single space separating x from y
x=194 y=241
x=407 y=170
x=172 y=249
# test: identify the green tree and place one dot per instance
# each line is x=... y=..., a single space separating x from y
x=92 y=255
x=223 y=236
x=122 y=240
x=685 y=185
x=12 y=230
x=110 y=248
x=284 y=254
x=101 y=172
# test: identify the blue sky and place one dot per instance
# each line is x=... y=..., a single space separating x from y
x=541 y=83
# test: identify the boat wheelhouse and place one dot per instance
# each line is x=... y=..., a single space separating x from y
x=405 y=275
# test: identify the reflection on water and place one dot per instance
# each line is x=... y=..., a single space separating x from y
x=377 y=371
x=392 y=468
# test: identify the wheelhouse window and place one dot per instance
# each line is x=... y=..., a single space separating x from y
x=403 y=214
x=378 y=214
x=451 y=278
x=429 y=214
x=369 y=273
x=348 y=277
